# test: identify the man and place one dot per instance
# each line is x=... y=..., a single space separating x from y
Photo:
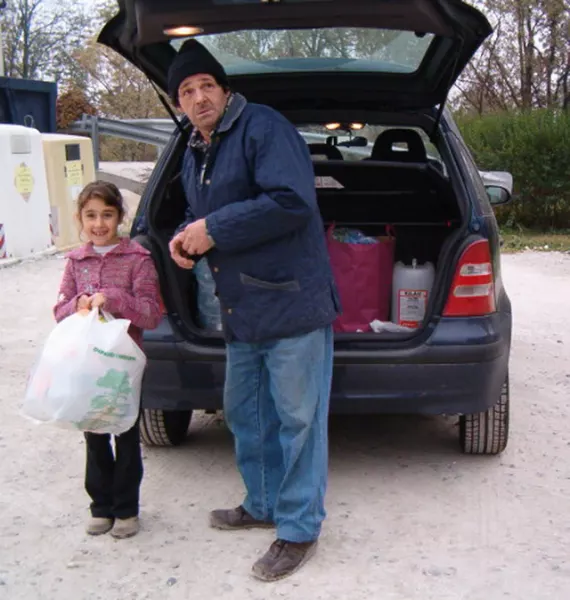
x=252 y=211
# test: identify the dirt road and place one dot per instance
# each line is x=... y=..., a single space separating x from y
x=409 y=517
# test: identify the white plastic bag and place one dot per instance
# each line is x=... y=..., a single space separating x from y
x=88 y=376
x=381 y=326
x=209 y=311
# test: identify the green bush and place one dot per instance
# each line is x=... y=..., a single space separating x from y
x=535 y=148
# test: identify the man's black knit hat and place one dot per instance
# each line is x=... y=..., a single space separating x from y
x=192 y=59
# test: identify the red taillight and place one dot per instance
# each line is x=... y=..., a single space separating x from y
x=473 y=289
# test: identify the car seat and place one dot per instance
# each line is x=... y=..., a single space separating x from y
x=384 y=150
x=331 y=152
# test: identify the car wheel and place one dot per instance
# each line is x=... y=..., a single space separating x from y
x=487 y=432
x=164 y=427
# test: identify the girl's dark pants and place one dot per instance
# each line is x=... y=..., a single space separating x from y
x=113 y=480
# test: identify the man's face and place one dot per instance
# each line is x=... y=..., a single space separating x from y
x=203 y=99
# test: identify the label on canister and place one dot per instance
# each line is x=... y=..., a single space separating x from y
x=412 y=307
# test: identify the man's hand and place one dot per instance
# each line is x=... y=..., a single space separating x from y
x=176 y=247
x=97 y=300
x=196 y=239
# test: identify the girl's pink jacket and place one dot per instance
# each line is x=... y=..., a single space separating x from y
x=125 y=275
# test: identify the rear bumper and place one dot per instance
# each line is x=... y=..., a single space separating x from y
x=426 y=389
x=459 y=368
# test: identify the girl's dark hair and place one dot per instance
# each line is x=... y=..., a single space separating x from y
x=104 y=190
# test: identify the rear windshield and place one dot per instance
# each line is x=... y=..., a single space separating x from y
x=352 y=49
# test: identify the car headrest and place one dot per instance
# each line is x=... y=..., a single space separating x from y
x=383 y=148
x=331 y=152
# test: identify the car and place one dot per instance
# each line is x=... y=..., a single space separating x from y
x=338 y=69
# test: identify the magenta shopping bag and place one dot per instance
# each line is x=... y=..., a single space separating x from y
x=363 y=274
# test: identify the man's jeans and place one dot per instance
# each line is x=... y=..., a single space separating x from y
x=276 y=405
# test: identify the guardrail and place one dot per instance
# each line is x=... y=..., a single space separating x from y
x=157 y=132
x=135 y=130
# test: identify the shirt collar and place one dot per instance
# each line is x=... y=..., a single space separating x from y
x=125 y=246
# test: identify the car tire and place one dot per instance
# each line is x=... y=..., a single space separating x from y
x=164 y=427
x=487 y=432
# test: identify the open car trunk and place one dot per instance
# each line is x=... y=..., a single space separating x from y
x=415 y=200
x=418 y=49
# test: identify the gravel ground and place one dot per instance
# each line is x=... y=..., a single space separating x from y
x=409 y=517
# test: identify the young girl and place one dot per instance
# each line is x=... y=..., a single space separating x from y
x=117 y=275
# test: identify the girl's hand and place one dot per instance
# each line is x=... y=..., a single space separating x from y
x=83 y=303
x=97 y=300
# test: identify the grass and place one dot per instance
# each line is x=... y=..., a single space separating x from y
x=518 y=240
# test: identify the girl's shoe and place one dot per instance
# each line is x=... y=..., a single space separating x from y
x=99 y=525
x=125 y=528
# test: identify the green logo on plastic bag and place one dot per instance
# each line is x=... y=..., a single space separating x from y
x=112 y=405
x=114 y=355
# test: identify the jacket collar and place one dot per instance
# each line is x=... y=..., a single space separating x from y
x=126 y=246
x=232 y=114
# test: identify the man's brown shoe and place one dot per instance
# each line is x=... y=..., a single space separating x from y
x=236 y=518
x=283 y=559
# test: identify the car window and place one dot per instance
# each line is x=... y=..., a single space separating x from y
x=431 y=149
x=473 y=173
x=353 y=49
x=315 y=134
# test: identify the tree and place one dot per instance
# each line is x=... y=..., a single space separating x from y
x=526 y=62
x=116 y=87
x=71 y=106
x=107 y=85
x=40 y=37
x=119 y=91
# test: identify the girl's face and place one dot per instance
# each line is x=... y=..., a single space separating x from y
x=100 y=222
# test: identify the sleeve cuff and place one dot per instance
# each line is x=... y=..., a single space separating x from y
x=112 y=301
x=208 y=233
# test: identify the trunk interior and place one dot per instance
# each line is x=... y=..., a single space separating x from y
x=414 y=199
